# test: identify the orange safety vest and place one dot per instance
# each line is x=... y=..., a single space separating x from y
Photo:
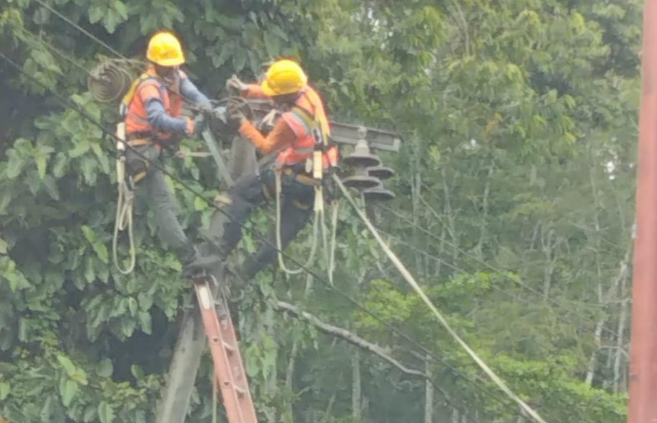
x=136 y=118
x=308 y=121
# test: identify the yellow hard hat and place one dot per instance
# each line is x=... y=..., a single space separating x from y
x=284 y=77
x=164 y=49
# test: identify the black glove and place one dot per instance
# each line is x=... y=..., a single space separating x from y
x=200 y=124
x=235 y=115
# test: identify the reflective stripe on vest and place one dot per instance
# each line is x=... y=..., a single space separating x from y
x=136 y=116
x=308 y=121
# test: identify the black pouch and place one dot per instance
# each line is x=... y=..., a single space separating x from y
x=138 y=160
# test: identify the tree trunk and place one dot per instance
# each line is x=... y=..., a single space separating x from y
x=548 y=248
x=450 y=218
x=416 y=193
x=428 y=398
x=290 y=366
x=605 y=299
x=590 y=373
x=441 y=250
x=355 y=387
x=600 y=324
x=484 y=218
x=620 y=337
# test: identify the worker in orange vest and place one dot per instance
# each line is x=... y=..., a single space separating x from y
x=152 y=109
x=302 y=129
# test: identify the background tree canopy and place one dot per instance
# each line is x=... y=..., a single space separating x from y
x=514 y=188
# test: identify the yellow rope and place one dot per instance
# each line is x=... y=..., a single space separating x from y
x=124 y=209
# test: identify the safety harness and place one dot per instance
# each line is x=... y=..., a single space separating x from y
x=124 y=204
x=126 y=183
x=322 y=148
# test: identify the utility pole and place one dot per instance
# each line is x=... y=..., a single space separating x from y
x=643 y=349
x=177 y=390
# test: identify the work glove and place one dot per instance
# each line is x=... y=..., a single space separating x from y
x=234 y=85
x=200 y=124
x=235 y=115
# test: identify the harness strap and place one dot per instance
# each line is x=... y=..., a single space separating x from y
x=301 y=178
x=138 y=142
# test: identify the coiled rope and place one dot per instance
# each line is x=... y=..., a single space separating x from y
x=110 y=80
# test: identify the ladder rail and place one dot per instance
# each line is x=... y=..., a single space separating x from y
x=229 y=369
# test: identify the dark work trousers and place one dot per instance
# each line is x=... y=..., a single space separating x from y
x=153 y=192
x=245 y=196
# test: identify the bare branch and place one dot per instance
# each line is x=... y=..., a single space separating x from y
x=356 y=340
x=350 y=337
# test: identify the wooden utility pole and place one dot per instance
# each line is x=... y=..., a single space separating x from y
x=643 y=349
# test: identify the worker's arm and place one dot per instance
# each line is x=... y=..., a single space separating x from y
x=157 y=114
x=189 y=92
x=280 y=136
x=254 y=91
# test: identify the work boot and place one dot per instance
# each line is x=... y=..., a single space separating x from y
x=201 y=262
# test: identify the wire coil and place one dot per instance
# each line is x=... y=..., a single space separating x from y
x=110 y=80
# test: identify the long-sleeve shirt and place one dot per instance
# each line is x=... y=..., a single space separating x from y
x=281 y=136
x=158 y=117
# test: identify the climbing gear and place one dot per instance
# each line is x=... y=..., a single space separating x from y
x=284 y=77
x=164 y=49
x=310 y=156
x=110 y=80
x=318 y=220
x=124 y=205
x=308 y=121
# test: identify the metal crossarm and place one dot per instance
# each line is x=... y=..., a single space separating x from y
x=228 y=367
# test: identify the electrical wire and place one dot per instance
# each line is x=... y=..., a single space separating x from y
x=315 y=275
x=442 y=261
x=79 y=28
x=554 y=302
x=52 y=48
x=443 y=321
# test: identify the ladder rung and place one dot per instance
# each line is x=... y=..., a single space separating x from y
x=229 y=347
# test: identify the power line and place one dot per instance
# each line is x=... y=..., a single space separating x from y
x=134 y=64
x=493 y=268
x=439 y=316
x=200 y=195
x=437 y=259
x=52 y=48
x=79 y=28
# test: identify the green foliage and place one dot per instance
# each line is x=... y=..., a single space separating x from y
x=519 y=118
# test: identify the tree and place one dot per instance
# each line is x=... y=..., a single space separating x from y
x=513 y=188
